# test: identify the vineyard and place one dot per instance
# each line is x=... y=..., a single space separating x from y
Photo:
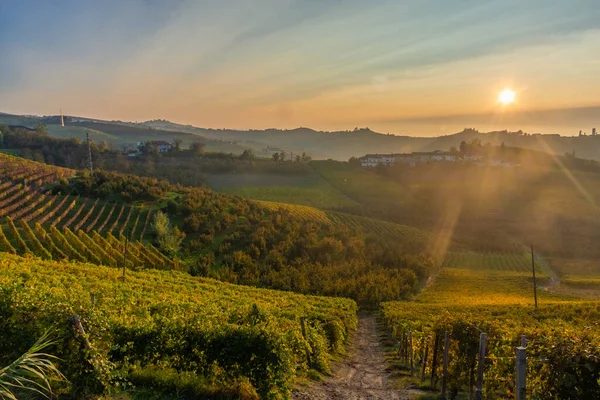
x=510 y=262
x=492 y=293
x=58 y=227
x=236 y=336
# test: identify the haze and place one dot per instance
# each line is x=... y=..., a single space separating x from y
x=410 y=67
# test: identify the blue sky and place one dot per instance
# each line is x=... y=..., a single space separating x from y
x=330 y=64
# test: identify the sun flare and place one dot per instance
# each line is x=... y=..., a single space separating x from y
x=507 y=96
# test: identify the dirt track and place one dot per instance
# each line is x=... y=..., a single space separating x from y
x=361 y=375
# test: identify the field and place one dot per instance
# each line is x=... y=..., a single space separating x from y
x=367 y=188
x=225 y=337
x=493 y=293
x=66 y=227
x=309 y=190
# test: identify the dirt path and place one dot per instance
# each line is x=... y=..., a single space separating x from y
x=361 y=376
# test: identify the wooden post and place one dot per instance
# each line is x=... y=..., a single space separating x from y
x=76 y=322
x=445 y=365
x=521 y=368
x=93 y=299
x=480 y=366
x=523 y=341
x=436 y=345
x=534 y=281
x=425 y=360
x=410 y=354
x=303 y=326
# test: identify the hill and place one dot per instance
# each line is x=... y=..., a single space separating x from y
x=195 y=336
x=338 y=145
x=224 y=236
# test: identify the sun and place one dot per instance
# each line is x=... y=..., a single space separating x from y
x=507 y=96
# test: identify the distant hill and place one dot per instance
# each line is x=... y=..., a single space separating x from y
x=338 y=145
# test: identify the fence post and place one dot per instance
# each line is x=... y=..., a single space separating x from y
x=436 y=345
x=93 y=299
x=521 y=369
x=445 y=365
x=410 y=353
x=480 y=366
x=425 y=360
x=523 y=341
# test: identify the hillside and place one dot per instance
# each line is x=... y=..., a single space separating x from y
x=210 y=234
x=241 y=341
x=339 y=145
x=491 y=294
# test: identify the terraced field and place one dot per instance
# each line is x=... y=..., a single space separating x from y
x=62 y=227
x=510 y=262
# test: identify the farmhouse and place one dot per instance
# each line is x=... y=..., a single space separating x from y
x=161 y=145
x=412 y=159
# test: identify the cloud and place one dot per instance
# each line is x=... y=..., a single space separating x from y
x=235 y=61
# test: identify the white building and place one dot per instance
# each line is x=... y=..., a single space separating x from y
x=372 y=160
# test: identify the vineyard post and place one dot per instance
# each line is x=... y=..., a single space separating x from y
x=425 y=360
x=534 y=281
x=445 y=365
x=521 y=367
x=303 y=326
x=480 y=366
x=436 y=345
x=404 y=347
x=410 y=350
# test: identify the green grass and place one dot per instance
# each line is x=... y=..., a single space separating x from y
x=311 y=190
x=510 y=262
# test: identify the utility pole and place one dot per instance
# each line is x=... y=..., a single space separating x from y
x=89 y=145
x=534 y=281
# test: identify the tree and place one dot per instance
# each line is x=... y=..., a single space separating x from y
x=197 y=148
x=42 y=129
x=247 y=155
x=169 y=239
x=176 y=145
x=306 y=158
x=463 y=147
x=275 y=157
x=161 y=224
x=298 y=159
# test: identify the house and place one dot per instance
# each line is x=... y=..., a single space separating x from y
x=161 y=145
x=412 y=159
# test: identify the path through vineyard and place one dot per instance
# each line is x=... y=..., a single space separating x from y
x=361 y=376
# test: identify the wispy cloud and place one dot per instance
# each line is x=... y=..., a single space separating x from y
x=325 y=63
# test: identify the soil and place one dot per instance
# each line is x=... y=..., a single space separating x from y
x=361 y=375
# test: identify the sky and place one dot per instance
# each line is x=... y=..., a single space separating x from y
x=406 y=67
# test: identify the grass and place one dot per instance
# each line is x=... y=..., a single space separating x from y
x=485 y=287
x=309 y=190
x=364 y=186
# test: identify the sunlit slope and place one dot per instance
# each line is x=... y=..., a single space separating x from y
x=309 y=189
x=377 y=195
x=170 y=321
x=414 y=238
